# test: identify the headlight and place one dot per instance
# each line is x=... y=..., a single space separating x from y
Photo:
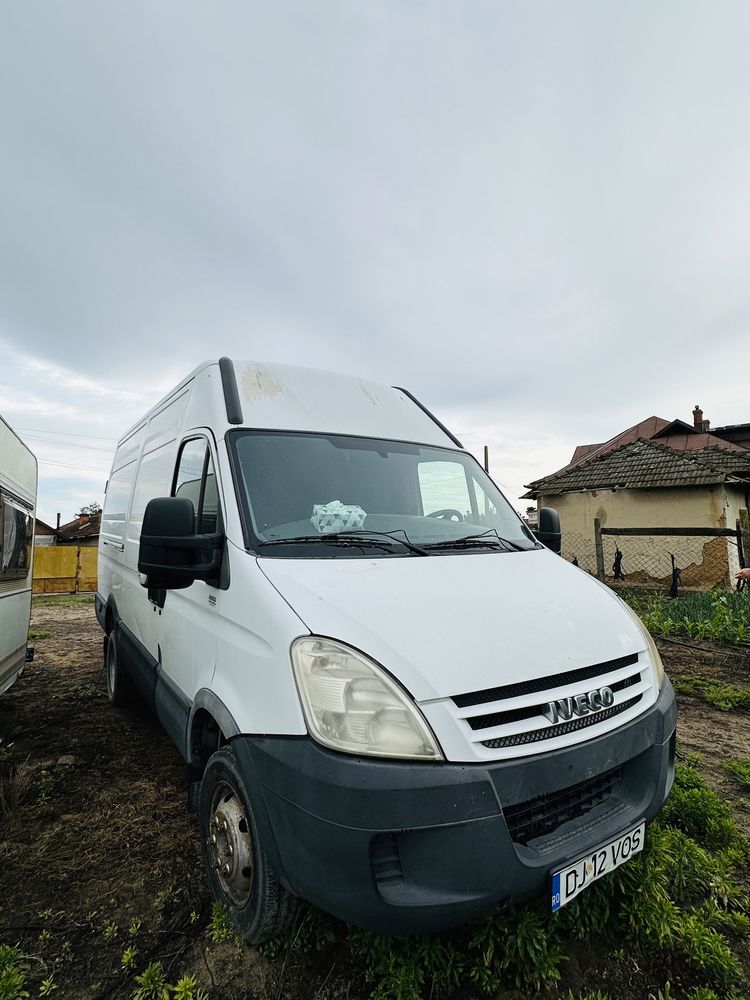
x=351 y=704
x=653 y=652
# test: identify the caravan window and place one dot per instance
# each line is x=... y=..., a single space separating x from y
x=16 y=534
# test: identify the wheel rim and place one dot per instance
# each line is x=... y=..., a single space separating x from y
x=230 y=844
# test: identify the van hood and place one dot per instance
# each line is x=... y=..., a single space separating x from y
x=450 y=624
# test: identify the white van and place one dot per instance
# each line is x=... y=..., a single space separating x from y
x=18 y=479
x=393 y=701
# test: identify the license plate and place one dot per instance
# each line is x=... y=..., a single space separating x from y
x=566 y=884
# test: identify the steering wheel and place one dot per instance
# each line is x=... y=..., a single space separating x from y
x=447 y=514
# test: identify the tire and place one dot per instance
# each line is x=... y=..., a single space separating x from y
x=239 y=873
x=120 y=689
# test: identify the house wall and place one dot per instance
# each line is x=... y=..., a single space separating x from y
x=703 y=562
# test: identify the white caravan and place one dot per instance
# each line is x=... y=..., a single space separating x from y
x=392 y=699
x=18 y=479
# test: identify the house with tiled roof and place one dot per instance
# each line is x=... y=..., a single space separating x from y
x=657 y=473
x=82 y=530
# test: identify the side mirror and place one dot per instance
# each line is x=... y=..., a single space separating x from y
x=548 y=532
x=171 y=555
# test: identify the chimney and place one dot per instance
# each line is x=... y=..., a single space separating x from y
x=83 y=518
x=58 y=520
x=698 y=417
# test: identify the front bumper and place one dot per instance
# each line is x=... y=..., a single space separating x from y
x=404 y=847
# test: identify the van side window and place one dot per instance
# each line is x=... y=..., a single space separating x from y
x=116 y=503
x=195 y=479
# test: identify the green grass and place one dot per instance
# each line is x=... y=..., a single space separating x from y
x=62 y=600
x=726 y=697
x=717 y=614
x=34 y=634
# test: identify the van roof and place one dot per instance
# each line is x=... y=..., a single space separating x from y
x=273 y=396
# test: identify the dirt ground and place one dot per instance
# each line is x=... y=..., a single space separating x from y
x=98 y=854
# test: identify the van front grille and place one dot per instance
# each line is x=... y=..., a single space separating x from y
x=499 y=718
x=541 y=816
x=531 y=713
x=535 y=735
x=542 y=683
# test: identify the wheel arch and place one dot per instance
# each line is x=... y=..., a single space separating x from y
x=210 y=725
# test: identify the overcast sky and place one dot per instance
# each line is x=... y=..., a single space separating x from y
x=536 y=216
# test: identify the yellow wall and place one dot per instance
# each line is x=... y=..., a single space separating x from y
x=64 y=569
x=702 y=561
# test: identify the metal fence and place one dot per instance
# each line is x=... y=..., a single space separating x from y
x=696 y=558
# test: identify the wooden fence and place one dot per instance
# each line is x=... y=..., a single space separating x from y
x=64 y=569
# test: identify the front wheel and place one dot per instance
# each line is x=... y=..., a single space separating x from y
x=119 y=686
x=239 y=873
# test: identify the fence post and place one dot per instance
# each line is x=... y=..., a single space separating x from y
x=745 y=533
x=599 y=548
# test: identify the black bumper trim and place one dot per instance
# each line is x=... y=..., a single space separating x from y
x=326 y=820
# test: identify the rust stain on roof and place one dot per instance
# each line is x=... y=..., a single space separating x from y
x=259 y=383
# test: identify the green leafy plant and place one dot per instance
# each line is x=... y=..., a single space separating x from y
x=151 y=984
x=110 y=931
x=46 y=784
x=697 y=810
x=708 y=951
x=47 y=986
x=13 y=967
x=726 y=697
x=128 y=957
x=592 y=995
x=187 y=989
x=717 y=615
x=740 y=768
x=220 y=928
x=520 y=947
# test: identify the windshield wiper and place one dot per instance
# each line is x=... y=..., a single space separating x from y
x=353 y=540
x=487 y=539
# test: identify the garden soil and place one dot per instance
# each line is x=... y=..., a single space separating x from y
x=100 y=861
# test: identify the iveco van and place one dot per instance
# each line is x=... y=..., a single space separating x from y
x=18 y=480
x=393 y=700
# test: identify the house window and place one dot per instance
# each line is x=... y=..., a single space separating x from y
x=16 y=536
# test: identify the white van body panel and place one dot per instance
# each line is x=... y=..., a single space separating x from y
x=242 y=627
x=18 y=487
x=254 y=627
x=466 y=626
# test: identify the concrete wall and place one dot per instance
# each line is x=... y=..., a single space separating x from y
x=703 y=562
x=64 y=569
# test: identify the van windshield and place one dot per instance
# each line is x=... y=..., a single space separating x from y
x=326 y=496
